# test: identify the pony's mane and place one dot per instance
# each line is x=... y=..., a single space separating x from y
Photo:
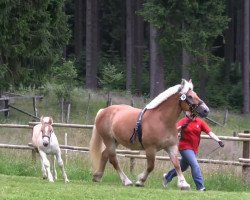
x=163 y=96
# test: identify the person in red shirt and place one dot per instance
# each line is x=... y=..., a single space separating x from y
x=190 y=128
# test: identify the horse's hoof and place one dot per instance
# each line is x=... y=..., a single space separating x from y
x=66 y=181
x=128 y=184
x=186 y=188
x=94 y=179
x=139 y=184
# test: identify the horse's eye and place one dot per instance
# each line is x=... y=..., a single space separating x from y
x=189 y=97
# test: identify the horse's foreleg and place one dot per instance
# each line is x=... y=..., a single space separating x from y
x=44 y=173
x=150 y=154
x=113 y=160
x=61 y=165
x=46 y=164
x=173 y=154
x=54 y=173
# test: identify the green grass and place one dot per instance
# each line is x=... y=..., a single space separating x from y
x=20 y=187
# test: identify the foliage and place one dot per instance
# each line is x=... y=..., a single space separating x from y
x=33 y=34
x=64 y=78
x=3 y=72
x=192 y=26
x=112 y=74
x=111 y=77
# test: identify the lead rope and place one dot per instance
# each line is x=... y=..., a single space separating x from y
x=185 y=126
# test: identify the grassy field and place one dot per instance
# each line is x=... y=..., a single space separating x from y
x=23 y=188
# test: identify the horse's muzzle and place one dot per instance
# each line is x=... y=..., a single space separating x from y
x=202 y=110
x=45 y=143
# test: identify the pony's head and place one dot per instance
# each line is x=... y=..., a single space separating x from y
x=190 y=101
x=46 y=129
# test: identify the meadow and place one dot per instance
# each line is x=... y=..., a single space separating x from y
x=18 y=173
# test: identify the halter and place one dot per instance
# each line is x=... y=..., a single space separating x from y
x=192 y=107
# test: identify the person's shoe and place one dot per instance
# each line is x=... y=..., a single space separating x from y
x=164 y=181
x=202 y=189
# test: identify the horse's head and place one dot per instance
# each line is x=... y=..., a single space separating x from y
x=190 y=101
x=46 y=129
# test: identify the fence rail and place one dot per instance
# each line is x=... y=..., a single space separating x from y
x=244 y=162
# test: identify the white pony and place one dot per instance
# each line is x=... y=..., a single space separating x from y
x=45 y=141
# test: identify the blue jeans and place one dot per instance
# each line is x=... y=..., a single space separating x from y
x=188 y=159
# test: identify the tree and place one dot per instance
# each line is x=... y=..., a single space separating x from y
x=203 y=22
x=92 y=51
x=79 y=33
x=156 y=64
x=139 y=48
x=130 y=9
x=33 y=35
x=246 y=58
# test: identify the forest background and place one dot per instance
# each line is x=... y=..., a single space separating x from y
x=138 y=46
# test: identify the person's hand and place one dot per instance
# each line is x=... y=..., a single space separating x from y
x=221 y=143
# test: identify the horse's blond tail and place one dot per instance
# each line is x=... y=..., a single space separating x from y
x=96 y=146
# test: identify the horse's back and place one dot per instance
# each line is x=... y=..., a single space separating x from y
x=115 y=114
x=117 y=122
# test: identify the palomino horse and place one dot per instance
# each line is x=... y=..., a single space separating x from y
x=115 y=124
x=45 y=142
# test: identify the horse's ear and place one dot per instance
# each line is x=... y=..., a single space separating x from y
x=50 y=120
x=41 y=119
x=190 y=81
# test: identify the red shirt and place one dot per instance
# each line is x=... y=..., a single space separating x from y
x=190 y=138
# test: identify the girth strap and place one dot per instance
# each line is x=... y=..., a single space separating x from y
x=138 y=129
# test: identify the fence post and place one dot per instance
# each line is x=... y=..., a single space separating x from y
x=33 y=154
x=66 y=151
x=6 y=106
x=34 y=106
x=246 y=154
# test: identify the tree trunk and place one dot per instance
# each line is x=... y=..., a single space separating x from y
x=185 y=63
x=123 y=32
x=92 y=37
x=229 y=41
x=156 y=65
x=139 y=47
x=129 y=42
x=239 y=37
x=79 y=27
x=246 y=58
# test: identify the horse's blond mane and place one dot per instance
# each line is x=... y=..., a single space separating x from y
x=182 y=88
x=163 y=96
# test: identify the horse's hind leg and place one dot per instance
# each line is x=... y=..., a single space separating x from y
x=113 y=160
x=97 y=176
x=150 y=154
x=173 y=152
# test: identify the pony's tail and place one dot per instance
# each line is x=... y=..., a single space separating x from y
x=96 y=146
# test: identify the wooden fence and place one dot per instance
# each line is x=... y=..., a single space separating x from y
x=244 y=161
